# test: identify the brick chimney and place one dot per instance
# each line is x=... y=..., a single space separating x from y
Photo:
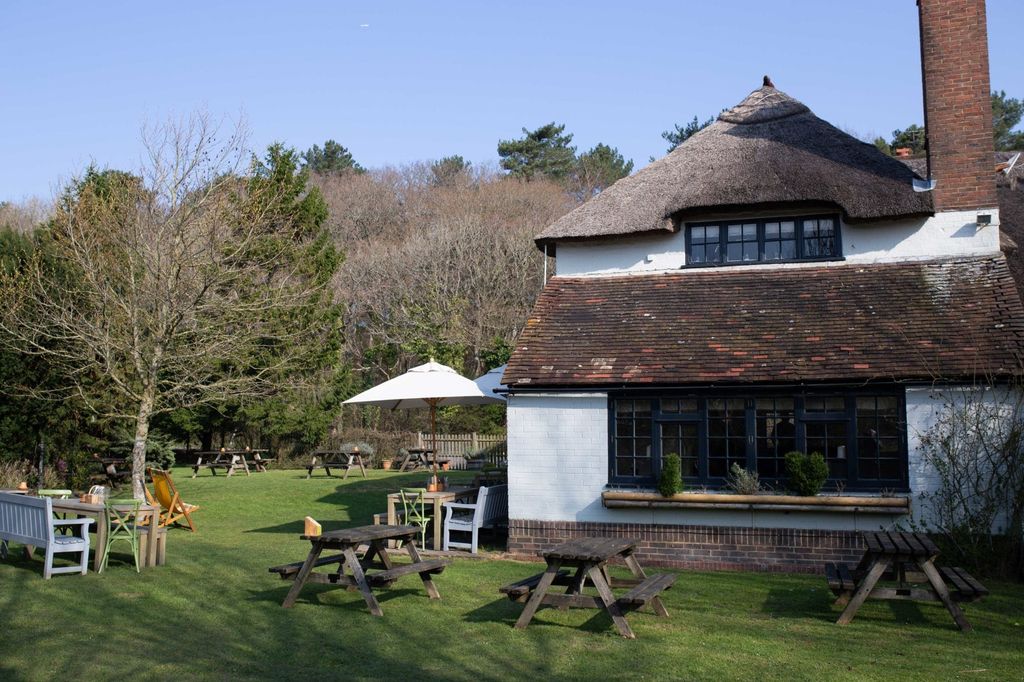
x=957 y=104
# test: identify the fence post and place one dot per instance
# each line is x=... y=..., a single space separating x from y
x=475 y=444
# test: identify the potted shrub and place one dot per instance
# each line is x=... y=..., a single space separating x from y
x=806 y=473
x=671 y=480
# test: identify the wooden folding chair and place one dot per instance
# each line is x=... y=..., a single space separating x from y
x=166 y=496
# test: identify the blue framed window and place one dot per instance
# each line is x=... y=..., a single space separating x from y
x=861 y=433
x=763 y=241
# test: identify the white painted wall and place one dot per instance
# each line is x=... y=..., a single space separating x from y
x=558 y=466
x=947 y=234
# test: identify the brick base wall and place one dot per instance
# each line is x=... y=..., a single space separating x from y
x=780 y=550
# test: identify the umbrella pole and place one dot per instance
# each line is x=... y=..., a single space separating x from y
x=433 y=435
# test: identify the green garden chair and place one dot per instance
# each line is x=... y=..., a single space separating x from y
x=59 y=494
x=414 y=510
x=121 y=516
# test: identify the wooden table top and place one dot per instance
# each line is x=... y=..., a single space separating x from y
x=591 y=549
x=892 y=543
x=361 y=534
x=454 y=491
x=77 y=506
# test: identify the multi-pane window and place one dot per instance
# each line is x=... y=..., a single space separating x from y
x=860 y=433
x=705 y=245
x=741 y=243
x=778 y=239
x=633 y=452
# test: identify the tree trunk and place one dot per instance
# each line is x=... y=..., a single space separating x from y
x=139 y=446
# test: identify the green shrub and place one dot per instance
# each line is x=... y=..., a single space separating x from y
x=671 y=480
x=159 y=453
x=805 y=473
x=743 y=482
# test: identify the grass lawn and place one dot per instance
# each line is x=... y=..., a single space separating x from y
x=213 y=612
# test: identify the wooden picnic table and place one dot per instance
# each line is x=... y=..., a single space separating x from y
x=339 y=459
x=438 y=500
x=589 y=557
x=229 y=460
x=417 y=457
x=148 y=512
x=113 y=470
x=888 y=554
x=348 y=541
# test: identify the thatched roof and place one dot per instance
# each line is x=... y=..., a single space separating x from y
x=768 y=151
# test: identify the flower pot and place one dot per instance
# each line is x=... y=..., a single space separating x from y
x=386 y=465
x=433 y=487
x=445 y=466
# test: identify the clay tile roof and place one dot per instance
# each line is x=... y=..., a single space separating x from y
x=951 y=319
x=767 y=150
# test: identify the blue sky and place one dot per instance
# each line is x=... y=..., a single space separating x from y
x=404 y=81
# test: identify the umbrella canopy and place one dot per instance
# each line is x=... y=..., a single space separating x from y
x=490 y=381
x=430 y=385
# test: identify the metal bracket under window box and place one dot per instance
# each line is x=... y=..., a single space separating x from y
x=844 y=504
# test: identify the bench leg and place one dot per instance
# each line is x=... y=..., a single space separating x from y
x=360 y=579
x=610 y=604
x=538 y=594
x=638 y=572
x=301 y=576
x=428 y=583
x=864 y=589
x=943 y=594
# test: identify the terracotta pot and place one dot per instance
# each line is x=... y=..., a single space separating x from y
x=433 y=487
x=386 y=465
x=445 y=465
x=23 y=485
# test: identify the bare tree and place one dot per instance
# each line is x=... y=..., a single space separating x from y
x=182 y=285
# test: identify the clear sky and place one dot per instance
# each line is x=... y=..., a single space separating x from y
x=404 y=81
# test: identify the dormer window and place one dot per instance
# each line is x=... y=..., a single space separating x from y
x=770 y=240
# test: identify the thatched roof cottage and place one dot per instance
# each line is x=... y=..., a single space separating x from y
x=772 y=284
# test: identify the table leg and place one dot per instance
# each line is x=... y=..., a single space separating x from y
x=359 y=459
x=610 y=604
x=438 y=523
x=428 y=583
x=538 y=594
x=576 y=586
x=309 y=469
x=154 y=528
x=378 y=548
x=634 y=567
x=360 y=579
x=943 y=594
x=101 y=541
x=878 y=567
x=301 y=576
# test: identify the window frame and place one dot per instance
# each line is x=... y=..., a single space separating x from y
x=800 y=237
x=801 y=418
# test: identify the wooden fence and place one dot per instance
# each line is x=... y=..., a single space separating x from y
x=491 y=448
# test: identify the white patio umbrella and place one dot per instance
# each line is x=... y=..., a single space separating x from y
x=431 y=385
x=490 y=381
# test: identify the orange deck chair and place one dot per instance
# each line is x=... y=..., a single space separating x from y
x=166 y=496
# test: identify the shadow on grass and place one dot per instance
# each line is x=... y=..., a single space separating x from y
x=506 y=612
x=795 y=602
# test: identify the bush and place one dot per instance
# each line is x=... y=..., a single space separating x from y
x=14 y=472
x=671 y=480
x=159 y=453
x=742 y=481
x=806 y=473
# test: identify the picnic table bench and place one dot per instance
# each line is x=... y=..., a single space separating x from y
x=417 y=457
x=113 y=470
x=590 y=556
x=348 y=541
x=339 y=459
x=888 y=557
x=229 y=460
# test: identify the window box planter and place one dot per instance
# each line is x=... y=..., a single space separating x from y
x=851 y=504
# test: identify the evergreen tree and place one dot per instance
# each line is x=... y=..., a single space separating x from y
x=598 y=169
x=333 y=159
x=680 y=134
x=544 y=152
x=1006 y=115
x=447 y=171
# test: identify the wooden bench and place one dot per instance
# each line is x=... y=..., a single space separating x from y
x=521 y=589
x=432 y=566
x=965 y=587
x=30 y=521
x=489 y=510
x=289 y=570
x=648 y=589
x=840 y=580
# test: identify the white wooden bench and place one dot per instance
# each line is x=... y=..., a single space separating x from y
x=29 y=521
x=489 y=510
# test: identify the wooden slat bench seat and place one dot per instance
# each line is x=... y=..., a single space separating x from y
x=433 y=566
x=522 y=588
x=840 y=579
x=965 y=587
x=647 y=590
x=289 y=570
